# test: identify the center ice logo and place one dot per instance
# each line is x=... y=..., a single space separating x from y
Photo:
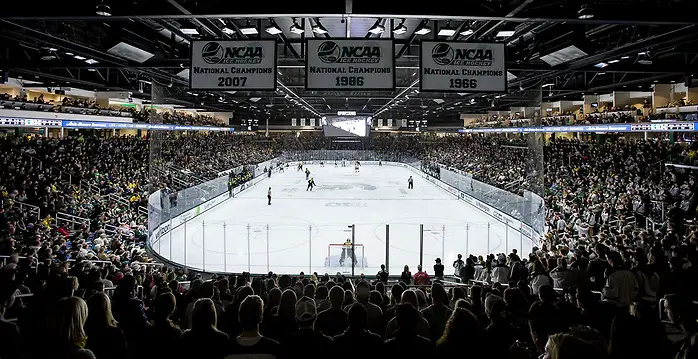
x=345 y=187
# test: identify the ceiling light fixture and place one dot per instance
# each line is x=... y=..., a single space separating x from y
x=400 y=29
x=423 y=30
x=506 y=33
x=377 y=29
x=78 y=57
x=601 y=65
x=295 y=28
x=103 y=9
x=248 y=29
x=189 y=31
x=447 y=30
x=318 y=28
x=585 y=12
x=228 y=31
x=91 y=61
x=467 y=32
x=644 y=58
x=48 y=55
x=613 y=61
x=273 y=30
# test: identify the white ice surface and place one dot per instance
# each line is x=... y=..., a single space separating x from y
x=292 y=234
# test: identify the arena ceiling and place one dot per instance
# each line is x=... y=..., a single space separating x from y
x=640 y=41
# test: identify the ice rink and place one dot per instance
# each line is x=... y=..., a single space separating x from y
x=295 y=232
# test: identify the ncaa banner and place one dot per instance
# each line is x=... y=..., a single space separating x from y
x=450 y=66
x=293 y=122
x=302 y=122
x=350 y=64
x=233 y=65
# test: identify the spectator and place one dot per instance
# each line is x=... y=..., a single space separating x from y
x=104 y=338
x=539 y=277
x=382 y=274
x=251 y=342
x=357 y=332
x=461 y=331
x=375 y=314
x=562 y=276
x=458 y=264
x=438 y=269
x=422 y=325
x=306 y=313
x=501 y=272
x=421 y=277
x=283 y=323
x=621 y=285
x=438 y=313
x=406 y=276
x=567 y=346
x=333 y=321
x=70 y=336
x=129 y=312
x=203 y=331
x=407 y=342
x=682 y=313
x=9 y=331
x=162 y=329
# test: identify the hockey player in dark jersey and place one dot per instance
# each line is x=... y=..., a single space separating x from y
x=307 y=174
x=410 y=183
x=300 y=166
x=311 y=184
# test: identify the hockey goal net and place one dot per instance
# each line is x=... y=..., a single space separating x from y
x=339 y=256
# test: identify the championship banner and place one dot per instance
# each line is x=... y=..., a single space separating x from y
x=450 y=66
x=294 y=122
x=390 y=122
x=380 y=122
x=404 y=122
x=350 y=64
x=302 y=122
x=233 y=65
x=312 y=122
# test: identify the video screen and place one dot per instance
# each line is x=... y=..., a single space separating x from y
x=343 y=126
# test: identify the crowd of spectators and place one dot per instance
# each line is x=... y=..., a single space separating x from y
x=520 y=315
x=594 y=192
x=87 y=106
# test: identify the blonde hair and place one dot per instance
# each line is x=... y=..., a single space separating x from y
x=99 y=307
x=72 y=315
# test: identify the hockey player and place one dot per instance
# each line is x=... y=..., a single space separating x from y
x=230 y=186
x=307 y=174
x=346 y=251
x=269 y=197
x=380 y=163
x=335 y=164
x=410 y=183
x=311 y=184
x=269 y=173
x=356 y=166
x=322 y=164
x=344 y=163
x=300 y=166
